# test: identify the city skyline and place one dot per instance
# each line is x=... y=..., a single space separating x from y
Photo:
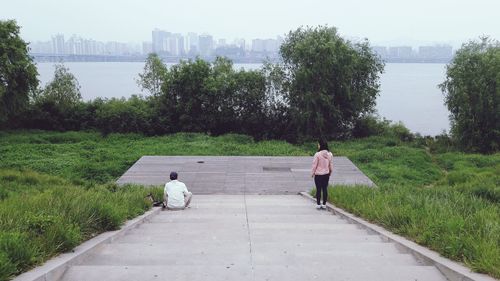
x=178 y=44
x=383 y=22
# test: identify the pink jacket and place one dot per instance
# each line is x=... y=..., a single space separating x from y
x=322 y=163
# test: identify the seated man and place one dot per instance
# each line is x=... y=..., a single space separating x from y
x=175 y=194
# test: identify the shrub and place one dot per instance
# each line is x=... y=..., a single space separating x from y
x=131 y=115
x=370 y=125
x=472 y=92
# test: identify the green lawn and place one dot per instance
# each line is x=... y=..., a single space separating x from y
x=56 y=190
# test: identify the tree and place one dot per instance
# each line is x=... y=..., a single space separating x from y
x=63 y=91
x=330 y=82
x=154 y=75
x=472 y=95
x=18 y=74
x=53 y=107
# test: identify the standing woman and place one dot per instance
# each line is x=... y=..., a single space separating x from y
x=322 y=168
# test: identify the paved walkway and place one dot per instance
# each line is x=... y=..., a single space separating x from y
x=239 y=174
x=250 y=237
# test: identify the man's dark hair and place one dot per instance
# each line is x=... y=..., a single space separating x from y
x=173 y=176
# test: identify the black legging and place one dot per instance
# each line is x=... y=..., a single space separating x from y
x=321 y=182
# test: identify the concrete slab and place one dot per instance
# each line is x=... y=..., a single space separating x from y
x=253 y=237
x=239 y=174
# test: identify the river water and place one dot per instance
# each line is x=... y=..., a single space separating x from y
x=409 y=91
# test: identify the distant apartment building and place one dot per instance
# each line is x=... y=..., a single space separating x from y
x=400 y=52
x=159 y=40
x=206 y=45
x=435 y=52
x=269 y=46
x=41 y=47
x=191 y=43
x=240 y=43
x=58 y=46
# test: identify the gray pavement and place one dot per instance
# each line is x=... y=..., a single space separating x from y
x=250 y=237
x=239 y=174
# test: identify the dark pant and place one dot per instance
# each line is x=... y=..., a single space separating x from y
x=321 y=182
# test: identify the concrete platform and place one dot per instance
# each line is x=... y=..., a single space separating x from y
x=240 y=174
x=255 y=238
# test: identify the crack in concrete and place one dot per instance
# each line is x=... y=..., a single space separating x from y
x=248 y=230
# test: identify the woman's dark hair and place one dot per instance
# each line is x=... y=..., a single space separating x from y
x=173 y=176
x=323 y=145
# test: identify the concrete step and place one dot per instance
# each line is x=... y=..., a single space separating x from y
x=228 y=271
x=181 y=228
x=134 y=237
x=171 y=254
x=225 y=271
x=272 y=238
x=238 y=253
x=342 y=258
x=354 y=272
x=320 y=217
x=144 y=237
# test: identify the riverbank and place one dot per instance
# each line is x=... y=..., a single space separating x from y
x=447 y=201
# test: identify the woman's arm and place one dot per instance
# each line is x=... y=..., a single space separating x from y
x=315 y=164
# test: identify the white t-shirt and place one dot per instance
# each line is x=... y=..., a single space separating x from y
x=175 y=191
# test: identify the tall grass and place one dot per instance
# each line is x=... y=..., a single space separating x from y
x=41 y=216
x=87 y=156
x=457 y=225
x=448 y=202
x=56 y=190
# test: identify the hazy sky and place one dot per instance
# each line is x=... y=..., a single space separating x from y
x=387 y=22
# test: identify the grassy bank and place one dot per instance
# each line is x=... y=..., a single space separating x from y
x=448 y=202
x=56 y=190
x=81 y=156
x=42 y=216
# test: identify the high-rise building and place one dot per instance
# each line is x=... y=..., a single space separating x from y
x=39 y=47
x=258 y=45
x=221 y=42
x=240 y=43
x=400 y=52
x=159 y=41
x=269 y=46
x=58 y=46
x=206 y=45
x=435 y=52
x=191 y=42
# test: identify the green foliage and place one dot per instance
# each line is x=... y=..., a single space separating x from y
x=472 y=94
x=57 y=106
x=89 y=156
x=324 y=85
x=46 y=215
x=451 y=199
x=17 y=73
x=153 y=76
x=330 y=82
x=456 y=224
x=124 y=116
x=448 y=201
x=63 y=91
x=199 y=96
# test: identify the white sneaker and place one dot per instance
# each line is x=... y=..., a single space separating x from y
x=318 y=207
x=323 y=207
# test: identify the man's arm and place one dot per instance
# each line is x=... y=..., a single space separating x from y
x=185 y=191
x=165 y=195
